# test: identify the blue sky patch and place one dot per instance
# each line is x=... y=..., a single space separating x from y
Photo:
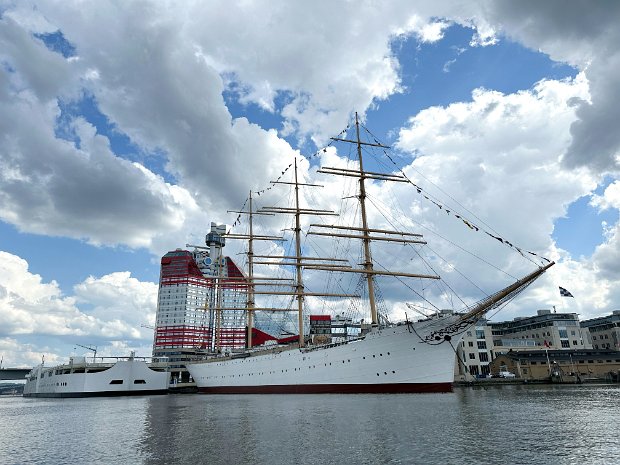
x=56 y=42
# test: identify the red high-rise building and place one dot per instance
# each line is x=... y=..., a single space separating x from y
x=186 y=306
x=190 y=301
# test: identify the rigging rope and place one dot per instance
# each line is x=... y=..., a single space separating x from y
x=470 y=224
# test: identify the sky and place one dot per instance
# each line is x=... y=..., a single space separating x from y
x=126 y=128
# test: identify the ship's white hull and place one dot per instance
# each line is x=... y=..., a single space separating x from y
x=125 y=377
x=389 y=360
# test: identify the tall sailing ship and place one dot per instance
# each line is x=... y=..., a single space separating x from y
x=382 y=357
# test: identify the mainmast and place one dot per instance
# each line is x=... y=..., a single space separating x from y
x=300 y=261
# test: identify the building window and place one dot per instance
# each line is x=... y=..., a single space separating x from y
x=472 y=356
x=482 y=345
x=473 y=370
x=565 y=344
x=470 y=343
x=480 y=333
x=484 y=357
x=574 y=342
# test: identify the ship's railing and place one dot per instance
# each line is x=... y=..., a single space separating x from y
x=275 y=349
x=108 y=361
x=332 y=344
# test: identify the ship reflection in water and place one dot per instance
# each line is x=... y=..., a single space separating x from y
x=512 y=424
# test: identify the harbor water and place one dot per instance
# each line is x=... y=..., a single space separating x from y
x=499 y=424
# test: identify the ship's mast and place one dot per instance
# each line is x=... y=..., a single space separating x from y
x=251 y=281
x=298 y=263
x=366 y=237
x=250 y=301
x=365 y=233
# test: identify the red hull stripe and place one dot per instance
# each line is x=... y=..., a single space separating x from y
x=331 y=389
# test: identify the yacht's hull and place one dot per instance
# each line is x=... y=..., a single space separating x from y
x=123 y=378
x=390 y=360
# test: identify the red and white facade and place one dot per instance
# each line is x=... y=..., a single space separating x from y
x=186 y=307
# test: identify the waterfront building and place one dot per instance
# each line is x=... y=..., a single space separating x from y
x=604 y=332
x=561 y=331
x=475 y=351
x=486 y=340
x=193 y=288
x=561 y=365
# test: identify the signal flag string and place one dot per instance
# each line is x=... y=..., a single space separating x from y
x=470 y=224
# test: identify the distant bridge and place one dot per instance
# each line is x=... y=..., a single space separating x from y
x=13 y=373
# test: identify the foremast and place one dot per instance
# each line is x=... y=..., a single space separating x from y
x=366 y=238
